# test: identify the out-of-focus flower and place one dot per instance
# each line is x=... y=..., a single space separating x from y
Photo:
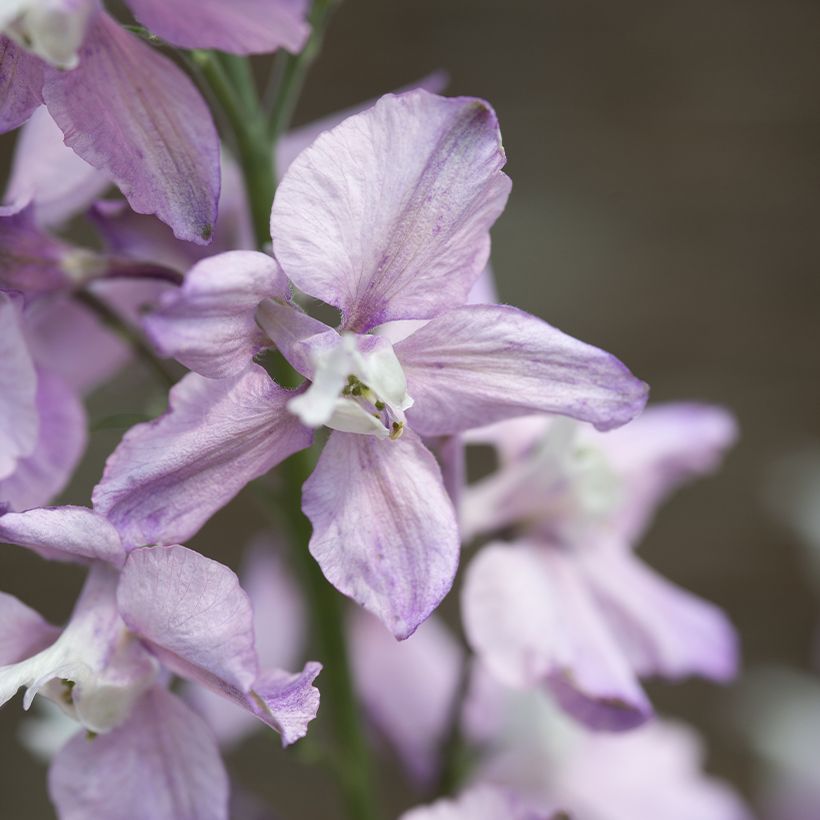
x=386 y=217
x=139 y=609
x=567 y=605
x=482 y=803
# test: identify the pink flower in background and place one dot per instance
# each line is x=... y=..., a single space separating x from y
x=566 y=605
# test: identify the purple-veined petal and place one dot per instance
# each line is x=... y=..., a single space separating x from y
x=663 y=629
x=23 y=632
x=61 y=442
x=667 y=446
x=530 y=619
x=482 y=802
x=164 y=760
x=387 y=216
x=21 y=83
x=384 y=530
x=64 y=534
x=48 y=173
x=238 y=27
x=131 y=112
x=481 y=363
x=167 y=477
x=408 y=688
x=198 y=620
x=209 y=324
x=18 y=390
x=95 y=671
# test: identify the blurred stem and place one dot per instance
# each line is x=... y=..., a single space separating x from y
x=114 y=322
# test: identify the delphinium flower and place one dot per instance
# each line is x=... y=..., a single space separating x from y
x=127 y=109
x=140 y=611
x=386 y=217
x=566 y=605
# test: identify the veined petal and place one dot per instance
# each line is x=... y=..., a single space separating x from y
x=61 y=441
x=387 y=216
x=530 y=620
x=64 y=534
x=23 y=632
x=409 y=689
x=167 y=477
x=18 y=390
x=50 y=174
x=238 y=27
x=209 y=324
x=384 y=530
x=663 y=629
x=130 y=111
x=21 y=84
x=164 y=760
x=481 y=363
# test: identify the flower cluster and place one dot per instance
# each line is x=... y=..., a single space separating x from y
x=381 y=218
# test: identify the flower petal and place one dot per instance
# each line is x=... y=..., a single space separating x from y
x=482 y=802
x=23 y=632
x=530 y=620
x=169 y=476
x=21 y=83
x=384 y=530
x=481 y=363
x=164 y=760
x=131 y=112
x=209 y=324
x=409 y=689
x=64 y=534
x=18 y=390
x=50 y=174
x=663 y=629
x=238 y=27
x=387 y=216
x=61 y=441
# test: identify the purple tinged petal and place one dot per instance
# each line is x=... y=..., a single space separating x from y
x=21 y=83
x=482 y=802
x=169 y=476
x=387 y=216
x=530 y=619
x=384 y=530
x=64 y=534
x=163 y=763
x=23 y=632
x=61 y=442
x=238 y=27
x=482 y=363
x=409 y=689
x=152 y=132
x=209 y=324
x=18 y=390
x=663 y=629
x=50 y=174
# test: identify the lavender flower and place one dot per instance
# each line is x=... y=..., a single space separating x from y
x=386 y=217
x=166 y=605
x=567 y=605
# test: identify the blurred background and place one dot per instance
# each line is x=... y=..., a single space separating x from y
x=666 y=166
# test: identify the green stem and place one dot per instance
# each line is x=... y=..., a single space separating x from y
x=112 y=320
x=296 y=68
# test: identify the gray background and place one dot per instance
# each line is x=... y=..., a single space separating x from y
x=665 y=166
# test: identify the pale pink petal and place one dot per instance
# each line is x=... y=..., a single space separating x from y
x=129 y=111
x=384 y=530
x=23 y=632
x=387 y=216
x=409 y=689
x=238 y=26
x=209 y=324
x=61 y=442
x=482 y=363
x=162 y=764
x=21 y=82
x=63 y=534
x=167 y=477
